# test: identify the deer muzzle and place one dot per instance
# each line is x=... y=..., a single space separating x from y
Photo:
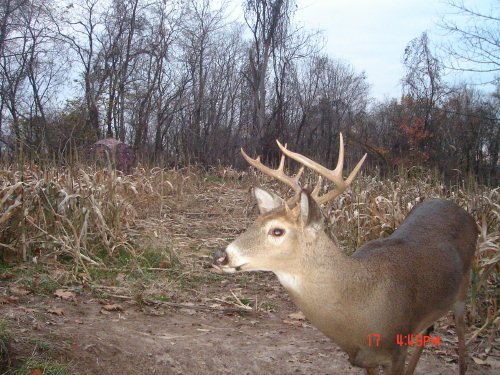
x=229 y=260
x=220 y=258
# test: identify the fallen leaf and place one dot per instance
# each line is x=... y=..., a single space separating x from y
x=297 y=316
x=36 y=372
x=6 y=276
x=113 y=307
x=479 y=361
x=9 y=300
x=26 y=310
x=164 y=264
x=55 y=311
x=295 y=323
x=494 y=363
x=65 y=295
x=17 y=291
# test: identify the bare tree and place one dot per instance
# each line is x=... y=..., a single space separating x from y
x=475 y=46
x=198 y=43
x=268 y=22
x=331 y=97
x=12 y=66
x=78 y=26
x=30 y=65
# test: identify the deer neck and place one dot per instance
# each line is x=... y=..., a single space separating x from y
x=318 y=261
x=321 y=280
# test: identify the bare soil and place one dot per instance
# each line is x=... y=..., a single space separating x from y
x=200 y=335
x=198 y=328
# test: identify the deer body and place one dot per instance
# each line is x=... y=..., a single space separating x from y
x=399 y=285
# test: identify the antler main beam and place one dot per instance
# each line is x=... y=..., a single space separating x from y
x=334 y=175
x=278 y=173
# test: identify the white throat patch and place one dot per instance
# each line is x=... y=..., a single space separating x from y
x=291 y=282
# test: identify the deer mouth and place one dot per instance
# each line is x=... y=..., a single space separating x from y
x=221 y=261
x=228 y=269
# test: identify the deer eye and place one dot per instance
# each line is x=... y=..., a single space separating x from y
x=276 y=232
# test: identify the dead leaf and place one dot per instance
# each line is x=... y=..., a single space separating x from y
x=295 y=323
x=297 y=316
x=479 y=361
x=164 y=264
x=113 y=307
x=6 y=276
x=9 y=300
x=26 y=310
x=494 y=363
x=36 y=372
x=17 y=291
x=65 y=295
x=55 y=311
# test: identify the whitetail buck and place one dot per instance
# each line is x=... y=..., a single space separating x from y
x=399 y=285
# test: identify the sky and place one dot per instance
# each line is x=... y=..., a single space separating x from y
x=372 y=35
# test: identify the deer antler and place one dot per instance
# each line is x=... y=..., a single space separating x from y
x=334 y=175
x=278 y=173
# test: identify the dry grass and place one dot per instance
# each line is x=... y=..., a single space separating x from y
x=85 y=217
x=83 y=214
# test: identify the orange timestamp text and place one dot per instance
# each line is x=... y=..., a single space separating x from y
x=407 y=340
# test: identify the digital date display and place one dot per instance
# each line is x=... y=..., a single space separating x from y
x=407 y=340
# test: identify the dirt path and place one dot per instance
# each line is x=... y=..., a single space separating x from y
x=163 y=340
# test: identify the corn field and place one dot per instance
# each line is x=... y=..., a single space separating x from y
x=81 y=217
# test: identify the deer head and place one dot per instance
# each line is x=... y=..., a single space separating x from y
x=274 y=242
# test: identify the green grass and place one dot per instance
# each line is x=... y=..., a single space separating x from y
x=247 y=301
x=4 y=267
x=45 y=367
x=4 y=344
x=35 y=278
x=102 y=275
x=45 y=284
x=40 y=345
x=267 y=306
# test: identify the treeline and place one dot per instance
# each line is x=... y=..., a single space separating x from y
x=182 y=83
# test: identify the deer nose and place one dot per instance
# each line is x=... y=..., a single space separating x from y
x=220 y=258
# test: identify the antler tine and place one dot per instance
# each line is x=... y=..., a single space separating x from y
x=340 y=162
x=333 y=175
x=317 y=189
x=278 y=173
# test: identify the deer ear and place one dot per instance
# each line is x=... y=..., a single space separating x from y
x=266 y=200
x=310 y=213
